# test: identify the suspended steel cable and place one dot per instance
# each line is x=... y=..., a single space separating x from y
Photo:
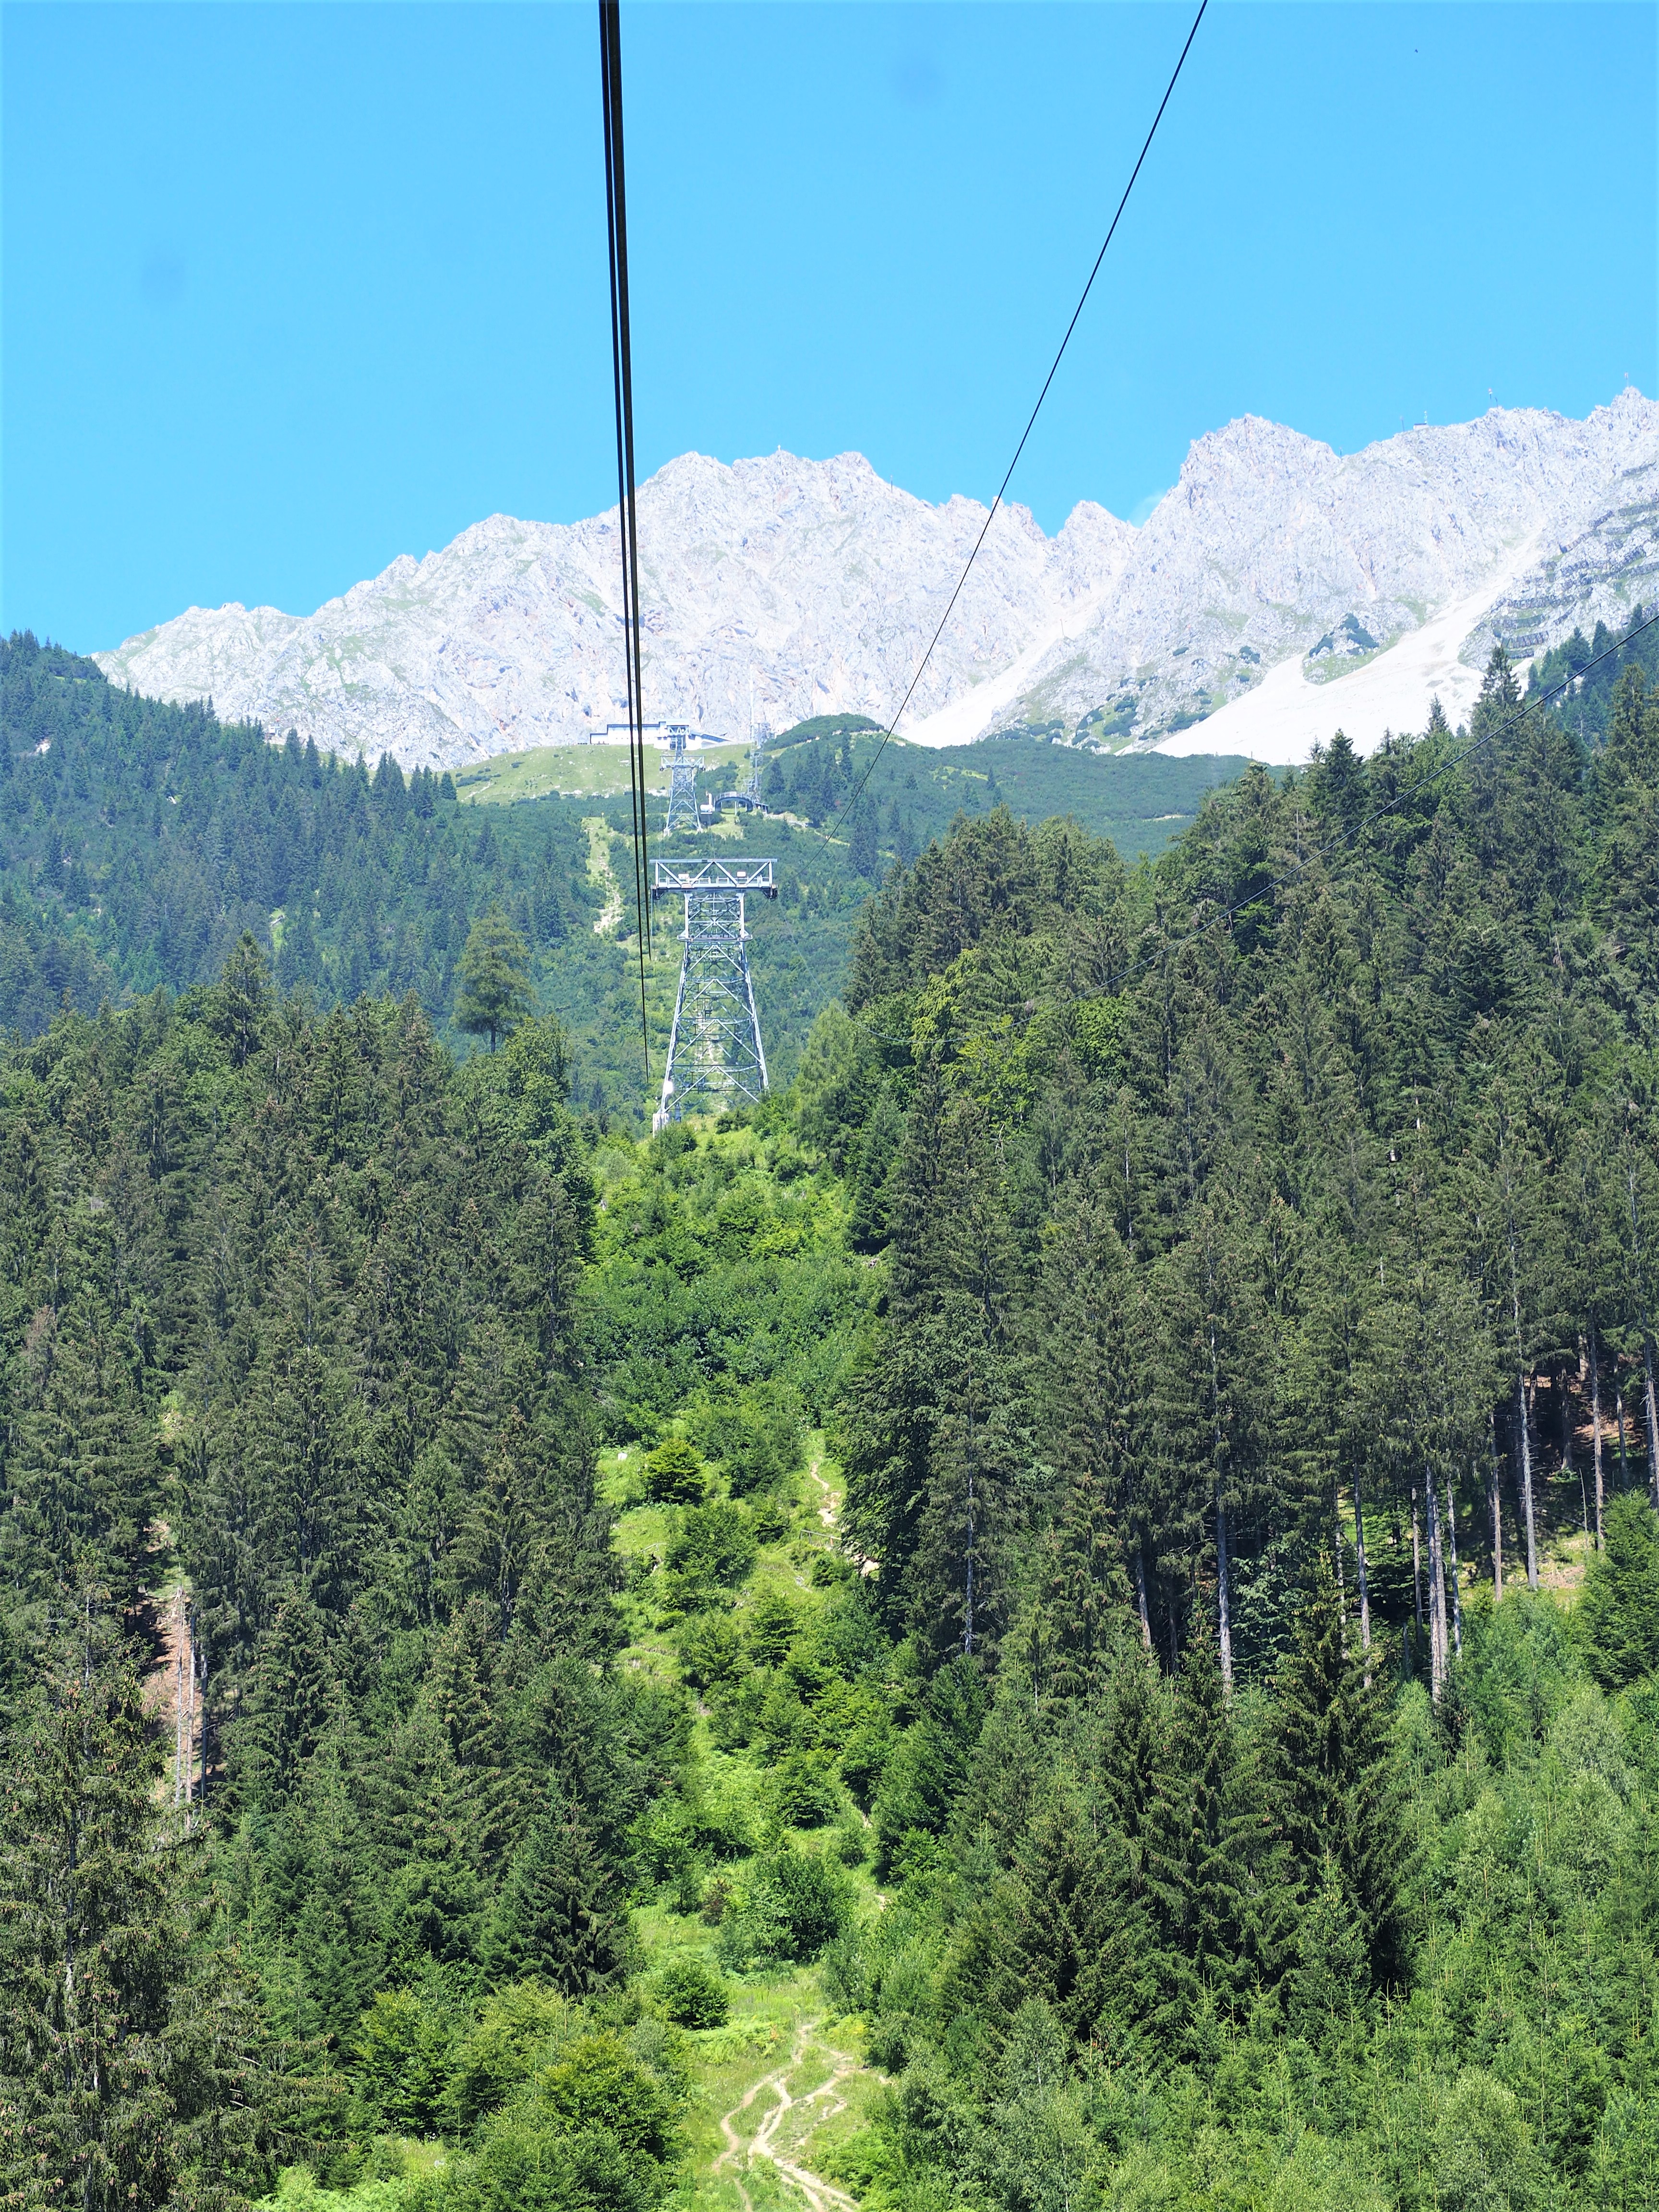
x=622 y=364
x=1002 y=488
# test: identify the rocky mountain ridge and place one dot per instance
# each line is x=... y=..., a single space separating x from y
x=782 y=587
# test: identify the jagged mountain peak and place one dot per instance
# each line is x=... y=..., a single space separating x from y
x=1229 y=620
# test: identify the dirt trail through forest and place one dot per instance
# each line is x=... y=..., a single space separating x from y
x=172 y=1695
x=801 y=2115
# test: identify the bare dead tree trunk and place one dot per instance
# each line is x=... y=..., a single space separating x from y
x=1436 y=1588
x=1563 y=1411
x=1649 y=1398
x=1141 y=1592
x=968 y=1607
x=1224 y=1606
x=1618 y=1400
x=1360 y=1555
x=202 y=1663
x=1595 y=1428
x=1521 y=1415
x=190 y=1718
x=1224 y=1600
x=1451 y=1562
x=187 y=1720
x=1417 y=1569
x=1512 y=1239
x=1497 y=1501
x=1336 y=1533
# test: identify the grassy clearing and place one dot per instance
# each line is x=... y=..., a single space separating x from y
x=815 y=1492
x=568 y=771
x=600 y=872
x=778 y=2091
x=781 y=2087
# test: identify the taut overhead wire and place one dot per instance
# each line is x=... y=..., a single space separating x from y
x=1001 y=490
x=622 y=363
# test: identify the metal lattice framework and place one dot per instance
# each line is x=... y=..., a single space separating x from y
x=714 y=1048
x=681 y=786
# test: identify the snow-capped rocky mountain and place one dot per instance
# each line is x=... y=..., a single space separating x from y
x=1279 y=589
x=1282 y=590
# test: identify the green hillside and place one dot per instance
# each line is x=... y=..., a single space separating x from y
x=1064 y=1615
x=573 y=771
x=139 y=840
x=910 y=794
x=915 y=791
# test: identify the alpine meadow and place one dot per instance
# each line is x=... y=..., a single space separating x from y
x=1060 y=1616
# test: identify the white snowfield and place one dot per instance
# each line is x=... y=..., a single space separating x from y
x=1287 y=714
x=813 y=587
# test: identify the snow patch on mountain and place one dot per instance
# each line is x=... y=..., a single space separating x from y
x=1289 y=713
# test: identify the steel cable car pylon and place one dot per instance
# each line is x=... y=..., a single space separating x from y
x=681 y=789
x=715 y=1048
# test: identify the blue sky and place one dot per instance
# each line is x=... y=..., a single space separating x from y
x=288 y=290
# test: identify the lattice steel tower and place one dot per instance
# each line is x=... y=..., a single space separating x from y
x=714 y=1048
x=682 y=786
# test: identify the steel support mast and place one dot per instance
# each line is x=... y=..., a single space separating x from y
x=682 y=788
x=714 y=1048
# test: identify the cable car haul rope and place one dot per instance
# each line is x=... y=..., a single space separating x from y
x=622 y=364
x=1030 y=425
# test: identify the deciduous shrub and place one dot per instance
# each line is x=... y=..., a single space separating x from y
x=795 y=1903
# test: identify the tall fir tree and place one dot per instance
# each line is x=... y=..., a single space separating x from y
x=1341 y=1806
x=557 y=1920
x=128 y=2047
x=1215 y=1866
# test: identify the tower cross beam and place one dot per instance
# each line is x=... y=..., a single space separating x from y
x=715 y=1048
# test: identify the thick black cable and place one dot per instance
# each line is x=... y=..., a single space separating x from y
x=1347 y=837
x=621 y=468
x=616 y=202
x=608 y=102
x=1053 y=367
x=627 y=509
x=627 y=357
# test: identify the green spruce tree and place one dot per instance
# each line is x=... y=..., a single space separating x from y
x=1340 y=1805
x=496 y=994
x=557 y=1921
x=127 y=2046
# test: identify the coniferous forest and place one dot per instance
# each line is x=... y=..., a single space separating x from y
x=1064 y=1616
x=139 y=840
